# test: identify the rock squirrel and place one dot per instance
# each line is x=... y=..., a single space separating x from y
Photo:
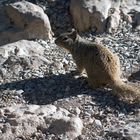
x=101 y=65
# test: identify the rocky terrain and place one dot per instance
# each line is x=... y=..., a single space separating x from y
x=43 y=98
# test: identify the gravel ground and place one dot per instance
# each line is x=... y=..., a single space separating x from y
x=104 y=116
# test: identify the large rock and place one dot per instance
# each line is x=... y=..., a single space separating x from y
x=130 y=5
x=131 y=9
x=20 y=56
x=25 y=21
x=35 y=122
x=113 y=21
x=22 y=48
x=95 y=14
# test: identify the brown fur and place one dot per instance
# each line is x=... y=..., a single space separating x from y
x=101 y=65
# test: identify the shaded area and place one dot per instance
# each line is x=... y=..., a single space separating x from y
x=48 y=89
x=134 y=76
x=51 y=88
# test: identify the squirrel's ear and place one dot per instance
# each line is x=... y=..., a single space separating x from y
x=74 y=33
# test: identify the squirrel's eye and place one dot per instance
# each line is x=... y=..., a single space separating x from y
x=65 y=38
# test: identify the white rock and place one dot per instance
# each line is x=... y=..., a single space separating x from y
x=28 y=22
x=70 y=127
x=98 y=123
x=78 y=111
x=25 y=48
x=65 y=61
x=25 y=120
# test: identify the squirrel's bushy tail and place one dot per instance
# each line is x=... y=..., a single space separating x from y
x=127 y=91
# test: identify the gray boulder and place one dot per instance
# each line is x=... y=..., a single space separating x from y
x=95 y=14
x=23 y=20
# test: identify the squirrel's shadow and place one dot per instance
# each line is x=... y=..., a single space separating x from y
x=51 y=88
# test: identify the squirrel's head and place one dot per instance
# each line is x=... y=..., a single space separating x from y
x=66 y=40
